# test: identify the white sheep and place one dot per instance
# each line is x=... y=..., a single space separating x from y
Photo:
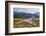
x=28 y=21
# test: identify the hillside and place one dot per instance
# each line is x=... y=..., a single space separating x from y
x=26 y=15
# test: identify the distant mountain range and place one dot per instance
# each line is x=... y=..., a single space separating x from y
x=26 y=15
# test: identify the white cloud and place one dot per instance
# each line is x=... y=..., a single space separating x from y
x=27 y=10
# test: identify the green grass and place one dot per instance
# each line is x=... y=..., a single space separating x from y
x=18 y=24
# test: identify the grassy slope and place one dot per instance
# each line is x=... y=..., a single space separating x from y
x=21 y=25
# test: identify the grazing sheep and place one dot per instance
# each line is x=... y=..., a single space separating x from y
x=28 y=21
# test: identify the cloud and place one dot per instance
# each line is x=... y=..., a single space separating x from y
x=27 y=10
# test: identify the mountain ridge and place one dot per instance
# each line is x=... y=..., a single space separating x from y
x=26 y=15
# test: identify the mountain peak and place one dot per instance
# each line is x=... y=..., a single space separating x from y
x=26 y=15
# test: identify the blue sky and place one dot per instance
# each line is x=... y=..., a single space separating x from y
x=27 y=10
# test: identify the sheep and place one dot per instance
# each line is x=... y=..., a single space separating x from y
x=28 y=21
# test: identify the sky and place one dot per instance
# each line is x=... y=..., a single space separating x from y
x=27 y=10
